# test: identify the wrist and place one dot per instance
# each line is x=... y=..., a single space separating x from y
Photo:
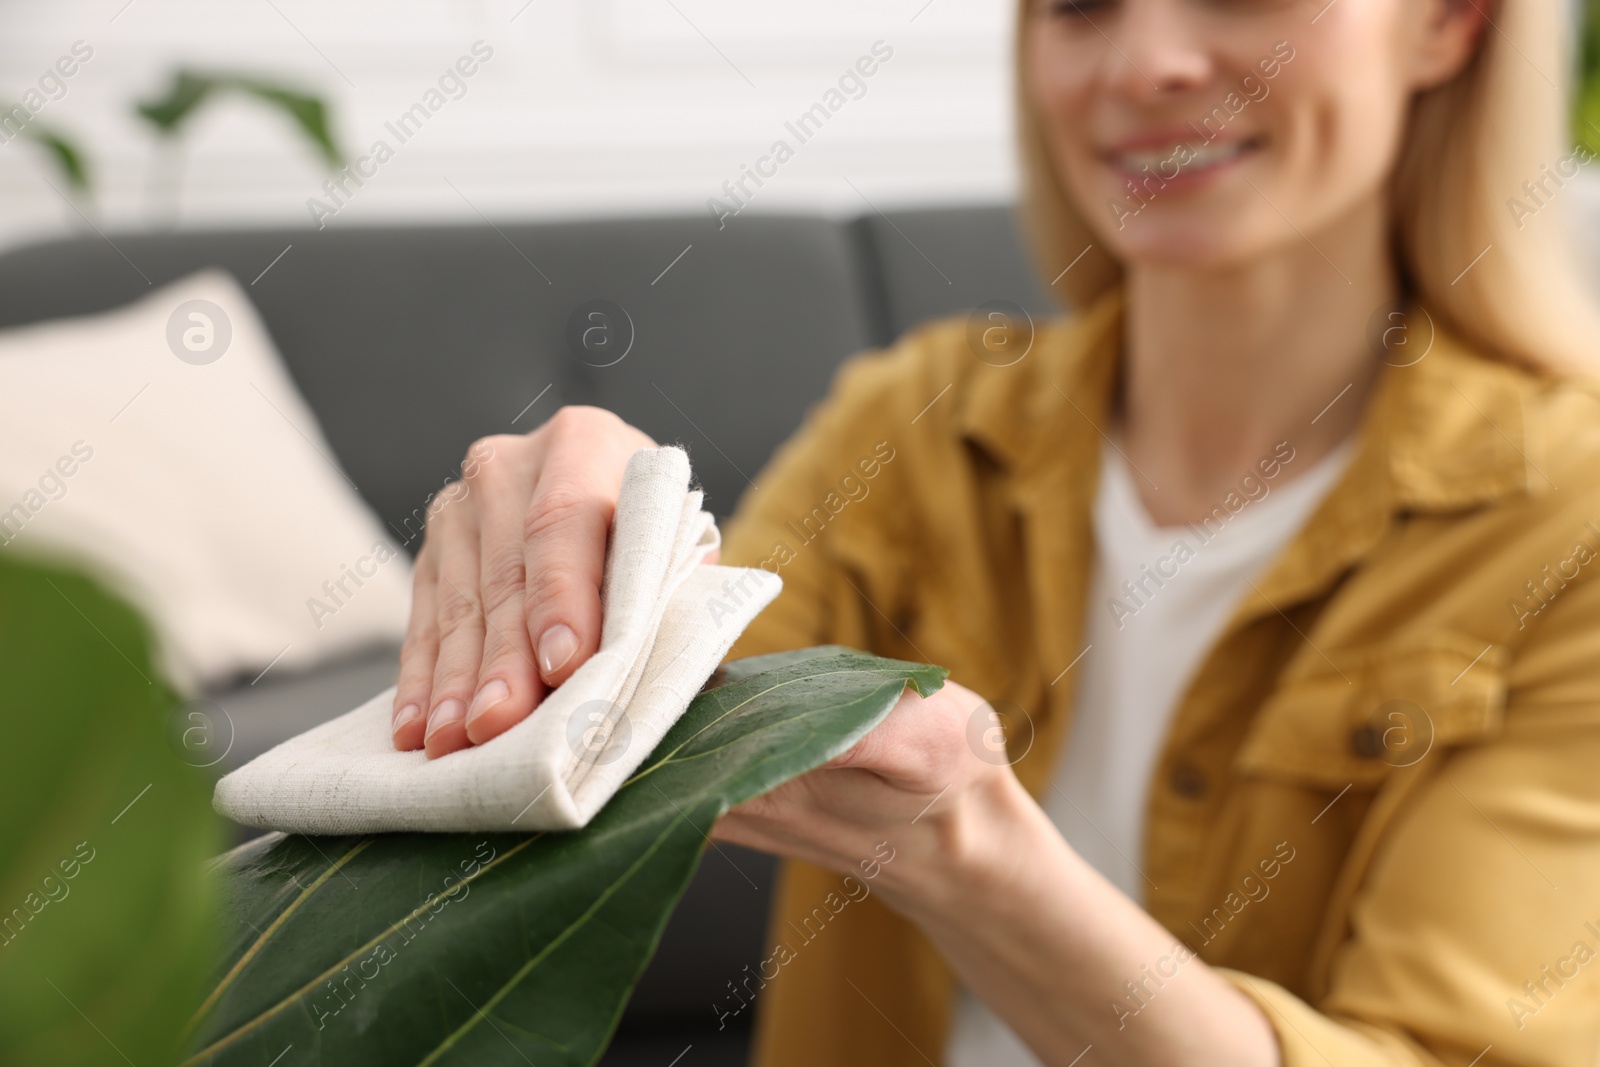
x=971 y=851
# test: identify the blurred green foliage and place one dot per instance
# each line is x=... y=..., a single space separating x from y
x=1586 y=93
x=190 y=89
x=170 y=112
x=106 y=920
x=64 y=152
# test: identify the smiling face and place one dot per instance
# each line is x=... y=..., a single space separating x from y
x=1211 y=132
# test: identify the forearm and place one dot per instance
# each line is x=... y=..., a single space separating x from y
x=1049 y=944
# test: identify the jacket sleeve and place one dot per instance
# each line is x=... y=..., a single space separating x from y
x=1475 y=938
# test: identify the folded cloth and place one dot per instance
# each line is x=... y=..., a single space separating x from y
x=667 y=622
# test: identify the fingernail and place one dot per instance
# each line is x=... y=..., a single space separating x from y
x=405 y=717
x=491 y=694
x=556 y=647
x=443 y=715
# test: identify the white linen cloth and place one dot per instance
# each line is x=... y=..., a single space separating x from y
x=667 y=622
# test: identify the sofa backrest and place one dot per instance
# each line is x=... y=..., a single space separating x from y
x=409 y=343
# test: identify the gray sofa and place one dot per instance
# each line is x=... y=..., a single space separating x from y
x=411 y=343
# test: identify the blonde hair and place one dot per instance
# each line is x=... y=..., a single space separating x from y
x=1470 y=145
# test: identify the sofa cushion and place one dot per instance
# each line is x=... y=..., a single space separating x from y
x=162 y=446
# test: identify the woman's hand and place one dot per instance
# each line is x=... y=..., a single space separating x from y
x=1026 y=923
x=920 y=780
x=506 y=595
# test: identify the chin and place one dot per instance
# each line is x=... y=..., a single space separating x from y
x=1182 y=243
x=1214 y=221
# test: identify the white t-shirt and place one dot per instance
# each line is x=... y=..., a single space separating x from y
x=1158 y=599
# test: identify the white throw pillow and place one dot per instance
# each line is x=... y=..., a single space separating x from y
x=164 y=447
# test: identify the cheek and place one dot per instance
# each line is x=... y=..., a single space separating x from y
x=1060 y=80
x=1060 y=69
x=1340 y=110
x=1335 y=146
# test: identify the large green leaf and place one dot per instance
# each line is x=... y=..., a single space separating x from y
x=459 y=949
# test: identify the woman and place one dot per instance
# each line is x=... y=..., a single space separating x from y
x=1280 y=591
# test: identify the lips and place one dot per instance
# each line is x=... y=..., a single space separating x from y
x=1199 y=156
x=1176 y=157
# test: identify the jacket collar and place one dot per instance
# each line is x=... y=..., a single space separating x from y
x=1444 y=433
x=1017 y=413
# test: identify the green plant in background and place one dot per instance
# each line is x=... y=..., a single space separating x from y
x=1586 y=95
x=107 y=928
x=169 y=115
x=64 y=153
x=191 y=89
x=445 y=949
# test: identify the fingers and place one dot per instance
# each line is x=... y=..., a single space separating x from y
x=564 y=534
x=921 y=745
x=508 y=685
x=564 y=552
x=417 y=657
x=461 y=627
x=506 y=600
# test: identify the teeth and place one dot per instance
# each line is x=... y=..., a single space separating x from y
x=1199 y=157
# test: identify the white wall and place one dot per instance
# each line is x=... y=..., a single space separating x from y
x=587 y=106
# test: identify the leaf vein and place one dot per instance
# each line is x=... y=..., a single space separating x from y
x=272 y=928
x=345 y=960
x=555 y=942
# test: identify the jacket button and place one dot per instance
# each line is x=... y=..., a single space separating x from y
x=1188 y=781
x=1367 y=741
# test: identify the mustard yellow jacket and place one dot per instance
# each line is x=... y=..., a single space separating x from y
x=1377 y=806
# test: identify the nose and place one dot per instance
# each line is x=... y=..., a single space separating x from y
x=1156 y=49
